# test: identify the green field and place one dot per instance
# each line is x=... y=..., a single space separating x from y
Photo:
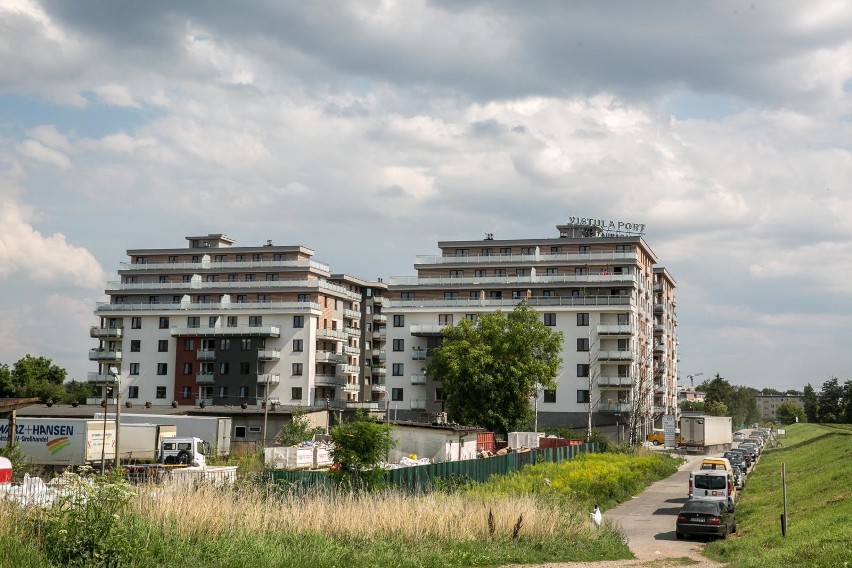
x=817 y=458
x=517 y=519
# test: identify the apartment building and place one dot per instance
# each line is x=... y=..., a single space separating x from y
x=217 y=324
x=767 y=404
x=605 y=292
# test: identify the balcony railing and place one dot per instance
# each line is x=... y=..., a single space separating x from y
x=329 y=357
x=105 y=332
x=247 y=265
x=660 y=348
x=287 y=307
x=420 y=329
x=351 y=314
x=353 y=331
x=418 y=379
x=268 y=354
x=99 y=379
x=228 y=286
x=218 y=331
x=418 y=353
x=610 y=406
x=379 y=354
x=491 y=281
x=381 y=318
x=348 y=369
x=376 y=387
x=349 y=350
x=333 y=334
x=205 y=378
x=585 y=258
x=268 y=378
x=351 y=387
x=380 y=370
x=379 y=334
x=604 y=300
x=625 y=329
x=617 y=355
x=659 y=328
x=329 y=380
x=206 y=355
x=104 y=355
x=378 y=300
x=614 y=381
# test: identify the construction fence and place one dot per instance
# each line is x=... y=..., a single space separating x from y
x=421 y=478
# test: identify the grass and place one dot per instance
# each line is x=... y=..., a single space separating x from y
x=819 y=503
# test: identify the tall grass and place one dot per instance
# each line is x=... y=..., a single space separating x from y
x=817 y=458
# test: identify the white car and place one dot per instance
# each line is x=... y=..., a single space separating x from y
x=739 y=436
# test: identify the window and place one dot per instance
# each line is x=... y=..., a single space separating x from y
x=439 y=395
x=133 y=392
x=241 y=298
x=211 y=321
x=396 y=394
x=296 y=393
x=136 y=322
x=187 y=368
x=134 y=368
x=185 y=392
x=582 y=344
x=244 y=392
x=212 y=277
x=303 y=298
x=257 y=257
x=445 y=319
x=470 y=317
x=161 y=392
x=456 y=273
x=193 y=322
x=548 y=293
x=186 y=278
x=583 y=397
x=298 y=321
x=250 y=277
x=163 y=346
x=232 y=321
x=406 y=295
x=499 y=272
x=245 y=344
x=239 y=431
x=399 y=345
x=255 y=321
x=584 y=249
x=264 y=298
x=517 y=294
x=552 y=271
x=223 y=392
x=495 y=295
x=153 y=299
x=135 y=345
x=189 y=344
x=224 y=368
x=555 y=250
x=549 y=395
x=623 y=248
x=462 y=252
x=173 y=259
x=203 y=299
x=162 y=368
x=224 y=345
x=583 y=370
x=271 y=277
x=164 y=323
x=550 y=320
x=582 y=319
x=398 y=369
x=479 y=273
x=451 y=295
x=245 y=368
x=505 y=252
x=176 y=299
x=298 y=345
x=522 y=272
x=623 y=319
x=487 y=252
x=474 y=295
x=398 y=320
x=624 y=345
x=581 y=271
x=297 y=368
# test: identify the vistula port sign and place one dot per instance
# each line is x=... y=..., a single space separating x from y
x=615 y=228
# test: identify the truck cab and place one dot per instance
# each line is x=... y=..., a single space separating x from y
x=183 y=451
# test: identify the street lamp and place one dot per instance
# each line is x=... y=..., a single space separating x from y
x=113 y=371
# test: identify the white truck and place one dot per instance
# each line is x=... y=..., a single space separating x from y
x=141 y=442
x=215 y=430
x=705 y=434
x=181 y=458
x=62 y=442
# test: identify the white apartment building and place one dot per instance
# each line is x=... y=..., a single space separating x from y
x=604 y=292
x=217 y=324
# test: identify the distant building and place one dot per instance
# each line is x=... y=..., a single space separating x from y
x=767 y=404
x=690 y=394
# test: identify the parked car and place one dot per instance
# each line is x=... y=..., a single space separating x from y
x=751 y=448
x=739 y=477
x=713 y=485
x=657 y=437
x=739 y=436
x=744 y=454
x=705 y=518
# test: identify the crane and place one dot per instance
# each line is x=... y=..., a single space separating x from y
x=692 y=378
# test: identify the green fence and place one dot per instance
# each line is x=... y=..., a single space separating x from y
x=423 y=477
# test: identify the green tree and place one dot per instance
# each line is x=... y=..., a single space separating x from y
x=33 y=377
x=359 y=447
x=788 y=412
x=847 y=398
x=810 y=403
x=692 y=405
x=717 y=408
x=830 y=401
x=770 y=391
x=78 y=391
x=489 y=368
x=298 y=430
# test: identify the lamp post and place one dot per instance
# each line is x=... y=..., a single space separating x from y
x=113 y=371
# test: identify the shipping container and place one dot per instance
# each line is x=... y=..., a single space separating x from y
x=62 y=441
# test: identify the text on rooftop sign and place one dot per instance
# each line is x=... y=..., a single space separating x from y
x=615 y=227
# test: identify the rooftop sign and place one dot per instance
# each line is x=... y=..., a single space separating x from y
x=610 y=228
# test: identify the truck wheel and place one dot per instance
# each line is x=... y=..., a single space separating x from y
x=656 y=443
x=183 y=457
x=169 y=460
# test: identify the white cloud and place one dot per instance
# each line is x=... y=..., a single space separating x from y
x=37 y=151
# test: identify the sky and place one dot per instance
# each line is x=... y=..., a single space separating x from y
x=370 y=130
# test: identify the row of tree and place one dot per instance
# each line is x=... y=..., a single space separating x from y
x=833 y=403
x=38 y=377
x=721 y=398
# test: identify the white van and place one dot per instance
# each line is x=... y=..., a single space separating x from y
x=712 y=485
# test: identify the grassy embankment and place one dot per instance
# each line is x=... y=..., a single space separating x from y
x=258 y=528
x=817 y=459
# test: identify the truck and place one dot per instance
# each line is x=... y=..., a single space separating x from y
x=215 y=430
x=705 y=434
x=141 y=442
x=181 y=459
x=57 y=443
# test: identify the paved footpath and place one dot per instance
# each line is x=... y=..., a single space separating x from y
x=648 y=521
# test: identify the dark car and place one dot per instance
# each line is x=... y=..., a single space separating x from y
x=705 y=518
x=752 y=450
x=742 y=451
x=736 y=458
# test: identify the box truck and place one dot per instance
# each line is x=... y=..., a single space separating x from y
x=141 y=442
x=57 y=442
x=700 y=433
x=214 y=430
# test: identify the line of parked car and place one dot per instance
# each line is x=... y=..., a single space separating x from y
x=713 y=489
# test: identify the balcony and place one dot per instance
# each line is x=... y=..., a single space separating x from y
x=206 y=354
x=380 y=334
x=105 y=332
x=658 y=287
x=352 y=314
x=332 y=334
x=104 y=355
x=268 y=354
x=418 y=379
x=380 y=370
x=352 y=331
x=482 y=281
x=614 y=381
x=659 y=308
x=349 y=350
x=218 y=331
x=660 y=348
x=583 y=258
x=205 y=378
x=379 y=354
x=610 y=406
x=99 y=379
x=659 y=328
x=418 y=353
x=426 y=330
x=268 y=378
x=378 y=300
x=418 y=404
x=659 y=388
x=248 y=265
x=293 y=307
x=348 y=369
x=618 y=355
x=329 y=380
x=378 y=387
x=329 y=357
x=615 y=330
x=351 y=387
x=509 y=303
x=381 y=318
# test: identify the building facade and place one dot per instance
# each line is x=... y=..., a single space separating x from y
x=217 y=324
x=767 y=404
x=605 y=293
